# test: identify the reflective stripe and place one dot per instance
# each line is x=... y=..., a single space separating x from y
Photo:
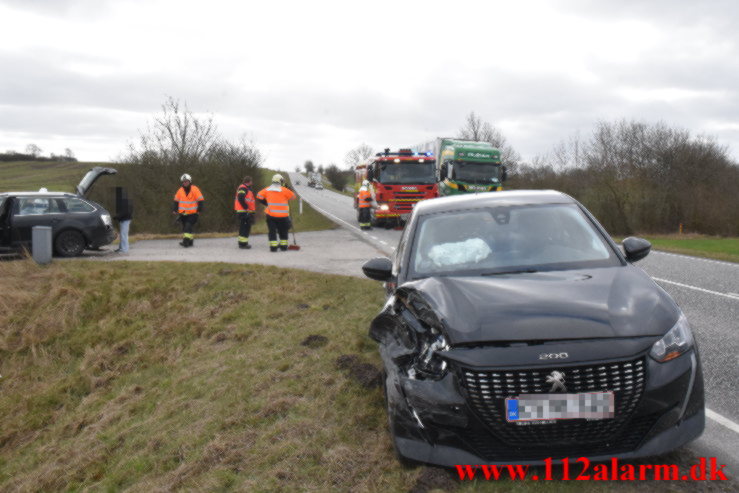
x=283 y=242
x=243 y=239
x=273 y=243
x=189 y=236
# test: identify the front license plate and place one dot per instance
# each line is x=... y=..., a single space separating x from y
x=538 y=407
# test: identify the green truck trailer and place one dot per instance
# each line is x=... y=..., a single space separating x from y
x=466 y=166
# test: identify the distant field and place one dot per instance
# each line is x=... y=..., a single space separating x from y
x=32 y=175
x=701 y=246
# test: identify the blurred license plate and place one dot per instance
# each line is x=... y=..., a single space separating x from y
x=537 y=407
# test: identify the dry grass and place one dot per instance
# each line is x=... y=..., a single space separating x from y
x=163 y=376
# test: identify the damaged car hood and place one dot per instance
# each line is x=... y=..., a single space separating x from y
x=576 y=304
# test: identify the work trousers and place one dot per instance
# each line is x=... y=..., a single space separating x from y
x=188 y=223
x=277 y=226
x=365 y=217
x=246 y=219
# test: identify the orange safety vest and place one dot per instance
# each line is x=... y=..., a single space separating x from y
x=276 y=197
x=188 y=203
x=364 y=198
x=249 y=199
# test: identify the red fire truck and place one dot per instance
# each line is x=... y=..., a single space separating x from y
x=398 y=180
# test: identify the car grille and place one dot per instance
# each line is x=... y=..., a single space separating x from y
x=487 y=390
x=489 y=447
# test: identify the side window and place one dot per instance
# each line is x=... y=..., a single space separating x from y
x=30 y=206
x=78 y=205
x=56 y=206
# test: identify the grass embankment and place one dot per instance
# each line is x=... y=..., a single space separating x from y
x=159 y=377
x=151 y=375
x=697 y=245
x=60 y=176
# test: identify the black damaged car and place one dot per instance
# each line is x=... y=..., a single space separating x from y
x=76 y=222
x=516 y=330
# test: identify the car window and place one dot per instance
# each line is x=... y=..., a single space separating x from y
x=504 y=238
x=77 y=205
x=33 y=206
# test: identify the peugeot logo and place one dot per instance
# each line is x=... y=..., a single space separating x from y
x=557 y=379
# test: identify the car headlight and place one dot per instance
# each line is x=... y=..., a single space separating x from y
x=429 y=363
x=384 y=207
x=105 y=218
x=676 y=342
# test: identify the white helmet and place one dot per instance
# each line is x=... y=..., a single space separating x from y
x=185 y=177
x=277 y=178
x=365 y=183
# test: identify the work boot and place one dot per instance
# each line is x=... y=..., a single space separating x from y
x=272 y=249
x=244 y=246
x=183 y=243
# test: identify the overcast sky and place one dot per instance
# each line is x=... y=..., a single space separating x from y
x=313 y=79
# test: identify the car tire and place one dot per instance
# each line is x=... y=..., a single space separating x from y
x=69 y=243
x=404 y=461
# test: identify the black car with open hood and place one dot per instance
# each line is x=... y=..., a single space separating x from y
x=516 y=330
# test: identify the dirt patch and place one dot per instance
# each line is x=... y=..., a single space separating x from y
x=314 y=341
x=302 y=306
x=366 y=374
x=434 y=478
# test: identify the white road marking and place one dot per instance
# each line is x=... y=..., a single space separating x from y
x=382 y=241
x=722 y=420
x=690 y=257
x=338 y=219
x=731 y=296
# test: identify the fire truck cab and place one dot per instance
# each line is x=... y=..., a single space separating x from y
x=398 y=181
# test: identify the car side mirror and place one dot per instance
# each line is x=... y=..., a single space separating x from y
x=504 y=175
x=378 y=268
x=636 y=248
x=443 y=171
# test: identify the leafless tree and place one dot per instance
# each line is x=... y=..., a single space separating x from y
x=33 y=150
x=178 y=136
x=476 y=129
x=358 y=155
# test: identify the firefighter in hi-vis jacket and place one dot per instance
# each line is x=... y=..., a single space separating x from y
x=275 y=197
x=364 y=204
x=188 y=203
x=245 y=208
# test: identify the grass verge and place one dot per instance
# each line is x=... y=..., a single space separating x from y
x=209 y=377
x=712 y=247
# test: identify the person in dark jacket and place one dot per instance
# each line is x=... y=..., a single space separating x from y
x=124 y=215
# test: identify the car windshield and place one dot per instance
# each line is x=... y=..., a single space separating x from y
x=407 y=173
x=480 y=173
x=511 y=239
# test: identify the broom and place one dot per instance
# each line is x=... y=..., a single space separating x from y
x=295 y=245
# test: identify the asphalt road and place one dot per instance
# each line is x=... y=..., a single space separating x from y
x=706 y=290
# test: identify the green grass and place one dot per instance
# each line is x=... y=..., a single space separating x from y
x=32 y=175
x=166 y=376
x=700 y=246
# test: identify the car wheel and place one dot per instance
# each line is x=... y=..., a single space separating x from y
x=69 y=243
x=404 y=462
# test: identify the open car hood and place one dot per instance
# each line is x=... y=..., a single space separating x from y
x=577 y=304
x=91 y=177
